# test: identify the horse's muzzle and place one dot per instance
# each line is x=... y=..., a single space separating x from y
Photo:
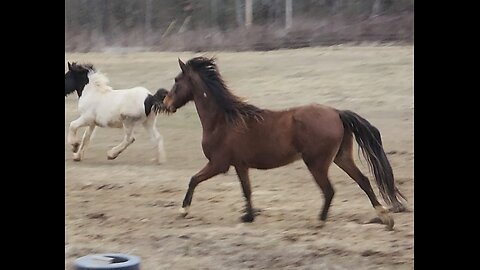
x=167 y=101
x=171 y=109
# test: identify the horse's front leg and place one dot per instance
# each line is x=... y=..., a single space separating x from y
x=85 y=140
x=242 y=173
x=209 y=171
x=127 y=140
x=72 y=132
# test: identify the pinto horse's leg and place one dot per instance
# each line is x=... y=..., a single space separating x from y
x=72 y=132
x=85 y=140
x=210 y=170
x=345 y=161
x=247 y=192
x=127 y=140
x=156 y=138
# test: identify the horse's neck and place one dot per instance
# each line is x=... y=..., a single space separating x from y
x=208 y=110
x=90 y=97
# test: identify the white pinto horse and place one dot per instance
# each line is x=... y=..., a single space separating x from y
x=100 y=105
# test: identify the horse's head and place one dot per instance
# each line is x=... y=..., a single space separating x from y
x=76 y=78
x=182 y=90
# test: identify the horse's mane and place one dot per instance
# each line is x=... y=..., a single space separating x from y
x=86 y=66
x=235 y=108
x=98 y=79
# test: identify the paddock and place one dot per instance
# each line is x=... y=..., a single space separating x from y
x=130 y=204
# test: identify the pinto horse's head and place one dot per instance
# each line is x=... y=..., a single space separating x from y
x=76 y=78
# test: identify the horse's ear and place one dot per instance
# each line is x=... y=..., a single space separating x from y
x=182 y=66
x=69 y=66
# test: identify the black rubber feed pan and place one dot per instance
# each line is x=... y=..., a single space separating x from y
x=110 y=261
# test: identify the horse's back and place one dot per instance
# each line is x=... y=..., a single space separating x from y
x=131 y=101
x=120 y=105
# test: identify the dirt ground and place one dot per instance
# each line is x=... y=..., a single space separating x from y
x=130 y=204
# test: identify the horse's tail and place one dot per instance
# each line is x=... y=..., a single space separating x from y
x=370 y=142
x=155 y=102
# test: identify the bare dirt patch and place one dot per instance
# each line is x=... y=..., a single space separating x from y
x=130 y=204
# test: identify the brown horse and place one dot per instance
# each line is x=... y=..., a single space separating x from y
x=244 y=136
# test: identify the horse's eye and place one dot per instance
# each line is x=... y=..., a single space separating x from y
x=176 y=80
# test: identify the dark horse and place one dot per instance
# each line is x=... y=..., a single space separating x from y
x=242 y=135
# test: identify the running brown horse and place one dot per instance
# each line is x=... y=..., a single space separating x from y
x=244 y=136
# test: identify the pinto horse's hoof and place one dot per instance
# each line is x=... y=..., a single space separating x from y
x=111 y=158
x=247 y=218
x=77 y=157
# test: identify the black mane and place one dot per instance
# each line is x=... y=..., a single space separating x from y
x=236 y=110
x=85 y=66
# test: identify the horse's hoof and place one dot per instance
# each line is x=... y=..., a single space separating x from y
x=111 y=158
x=77 y=157
x=389 y=222
x=183 y=211
x=385 y=217
x=247 y=218
x=398 y=208
x=321 y=224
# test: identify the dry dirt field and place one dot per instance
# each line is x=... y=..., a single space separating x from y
x=130 y=204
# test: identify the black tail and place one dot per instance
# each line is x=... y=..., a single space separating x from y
x=155 y=102
x=370 y=142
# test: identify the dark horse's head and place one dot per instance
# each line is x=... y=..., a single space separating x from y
x=200 y=76
x=182 y=91
x=77 y=77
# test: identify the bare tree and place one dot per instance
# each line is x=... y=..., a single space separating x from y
x=239 y=12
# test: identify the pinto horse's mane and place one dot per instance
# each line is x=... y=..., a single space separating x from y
x=98 y=79
x=235 y=108
x=86 y=66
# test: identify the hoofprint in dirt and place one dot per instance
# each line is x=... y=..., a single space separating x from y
x=131 y=205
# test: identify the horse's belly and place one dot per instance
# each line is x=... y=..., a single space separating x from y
x=111 y=123
x=115 y=124
x=270 y=161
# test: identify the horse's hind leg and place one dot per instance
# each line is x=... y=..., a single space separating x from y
x=345 y=161
x=127 y=140
x=247 y=192
x=156 y=138
x=85 y=140
x=318 y=166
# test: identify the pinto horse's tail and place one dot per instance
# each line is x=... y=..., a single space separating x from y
x=155 y=103
x=370 y=142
